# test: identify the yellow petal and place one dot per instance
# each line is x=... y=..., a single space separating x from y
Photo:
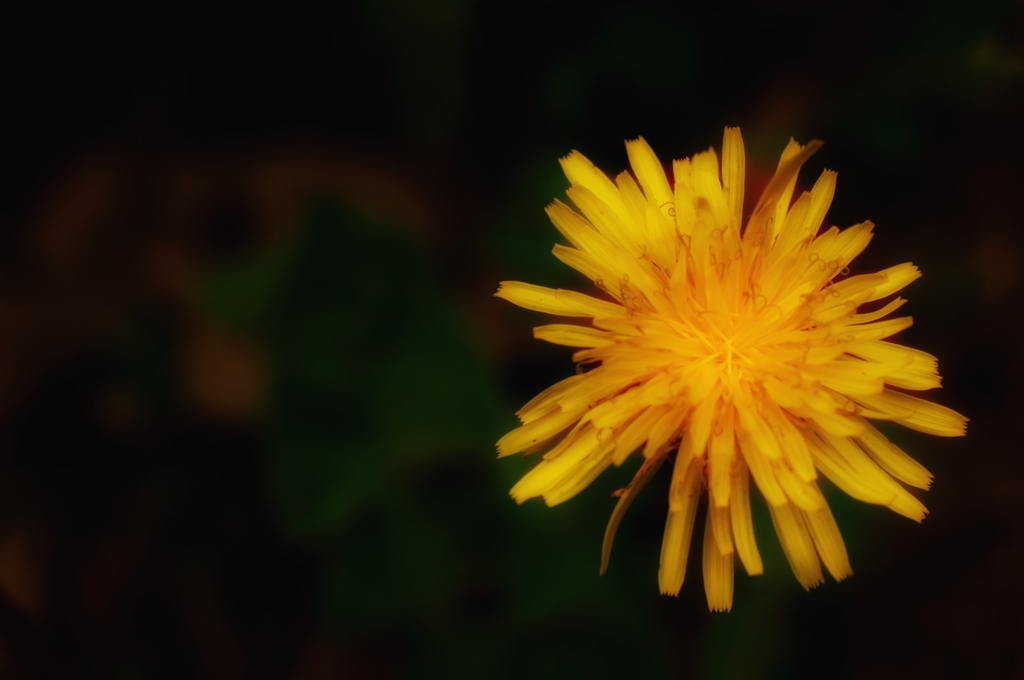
x=573 y=226
x=721 y=458
x=718 y=570
x=572 y=336
x=893 y=460
x=579 y=170
x=733 y=173
x=635 y=433
x=662 y=432
x=559 y=463
x=632 y=196
x=797 y=232
x=829 y=542
x=896 y=279
x=775 y=199
x=700 y=425
x=792 y=442
x=912 y=368
x=886 y=310
x=604 y=247
x=686 y=213
x=675 y=546
x=918 y=414
x=804 y=495
x=849 y=468
x=550 y=399
x=849 y=377
x=831 y=414
x=835 y=249
x=877 y=330
x=614 y=227
x=535 y=431
x=583 y=472
x=761 y=469
x=721 y=523
x=742 y=523
x=791 y=241
x=707 y=190
x=556 y=301
x=797 y=544
x=602 y=273
x=649 y=172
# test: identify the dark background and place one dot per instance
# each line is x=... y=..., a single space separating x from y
x=251 y=372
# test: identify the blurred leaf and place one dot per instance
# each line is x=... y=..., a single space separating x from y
x=373 y=371
x=241 y=294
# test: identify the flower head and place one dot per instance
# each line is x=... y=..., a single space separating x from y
x=737 y=351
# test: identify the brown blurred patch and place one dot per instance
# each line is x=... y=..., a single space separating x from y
x=225 y=373
x=998 y=260
x=20 y=569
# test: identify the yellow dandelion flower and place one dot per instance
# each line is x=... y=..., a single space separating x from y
x=736 y=351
